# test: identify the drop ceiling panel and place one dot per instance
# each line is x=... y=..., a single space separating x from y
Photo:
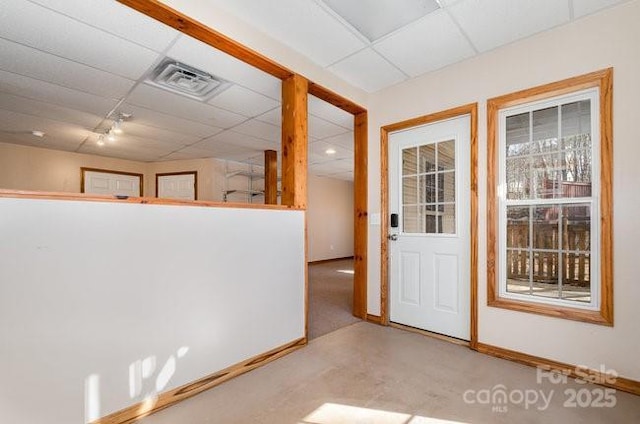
x=57 y=134
x=319 y=128
x=40 y=110
x=156 y=119
x=368 y=70
x=273 y=117
x=43 y=91
x=235 y=140
x=116 y=19
x=140 y=156
x=330 y=113
x=243 y=101
x=35 y=26
x=319 y=150
x=36 y=64
x=173 y=104
x=260 y=130
x=587 y=7
x=344 y=141
x=137 y=129
x=492 y=23
x=432 y=43
x=301 y=24
x=213 y=61
x=376 y=18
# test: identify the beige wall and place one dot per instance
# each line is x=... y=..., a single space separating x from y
x=330 y=218
x=38 y=169
x=596 y=42
x=31 y=168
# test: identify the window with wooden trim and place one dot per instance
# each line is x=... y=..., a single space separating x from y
x=549 y=200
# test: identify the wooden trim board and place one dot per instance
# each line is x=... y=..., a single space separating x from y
x=167 y=399
x=621 y=383
x=472 y=110
x=602 y=79
x=183 y=23
x=374 y=319
x=23 y=194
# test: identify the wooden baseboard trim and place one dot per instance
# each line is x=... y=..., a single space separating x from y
x=170 y=398
x=375 y=319
x=573 y=371
x=429 y=334
x=324 y=261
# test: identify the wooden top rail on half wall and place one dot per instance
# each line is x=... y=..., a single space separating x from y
x=46 y=195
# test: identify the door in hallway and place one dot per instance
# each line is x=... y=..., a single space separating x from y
x=429 y=248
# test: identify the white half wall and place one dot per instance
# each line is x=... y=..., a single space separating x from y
x=87 y=289
x=609 y=38
x=329 y=218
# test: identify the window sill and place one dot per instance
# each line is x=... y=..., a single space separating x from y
x=600 y=317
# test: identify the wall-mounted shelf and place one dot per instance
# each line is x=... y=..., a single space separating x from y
x=244 y=182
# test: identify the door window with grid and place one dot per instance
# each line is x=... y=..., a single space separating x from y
x=429 y=188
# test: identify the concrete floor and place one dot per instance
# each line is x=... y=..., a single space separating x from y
x=370 y=374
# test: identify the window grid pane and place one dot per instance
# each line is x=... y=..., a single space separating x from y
x=429 y=188
x=548 y=156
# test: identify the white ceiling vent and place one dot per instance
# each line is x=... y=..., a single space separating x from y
x=186 y=80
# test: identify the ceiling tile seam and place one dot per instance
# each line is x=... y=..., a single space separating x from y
x=409 y=25
x=43 y=118
x=406 y=76
x=48 y=119
x=466 y=36
x=361 y=50
x=57 y=85
x=53 y=103
x=251 y=136
x=330 y=122
x=333 y=14
x=98 y=28
x=137 y=82
x=65 y=58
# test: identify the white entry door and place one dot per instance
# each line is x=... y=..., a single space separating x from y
x=429 y=190
x=177 y=186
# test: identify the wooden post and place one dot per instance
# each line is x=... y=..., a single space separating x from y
x=361 y=217
x=270 y=177
x=294 y=141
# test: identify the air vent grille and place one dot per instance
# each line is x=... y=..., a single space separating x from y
x=186 y=80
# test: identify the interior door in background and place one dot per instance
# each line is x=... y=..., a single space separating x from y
x=429 y=190
x=181 y=185
x=107 y=182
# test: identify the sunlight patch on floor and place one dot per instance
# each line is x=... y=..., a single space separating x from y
x=334 y=413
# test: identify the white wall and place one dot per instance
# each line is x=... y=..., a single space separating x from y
x=596 y=42
x=329 y=218
x=89 y=288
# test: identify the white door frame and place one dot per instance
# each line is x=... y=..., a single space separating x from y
x=472 y=111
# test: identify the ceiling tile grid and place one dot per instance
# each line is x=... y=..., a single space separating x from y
x=429 y=44
x=60 y=35
x=398 y=39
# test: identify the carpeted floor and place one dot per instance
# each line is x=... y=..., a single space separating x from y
x=330 y=297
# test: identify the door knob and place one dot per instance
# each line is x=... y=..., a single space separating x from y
x=392 y=237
